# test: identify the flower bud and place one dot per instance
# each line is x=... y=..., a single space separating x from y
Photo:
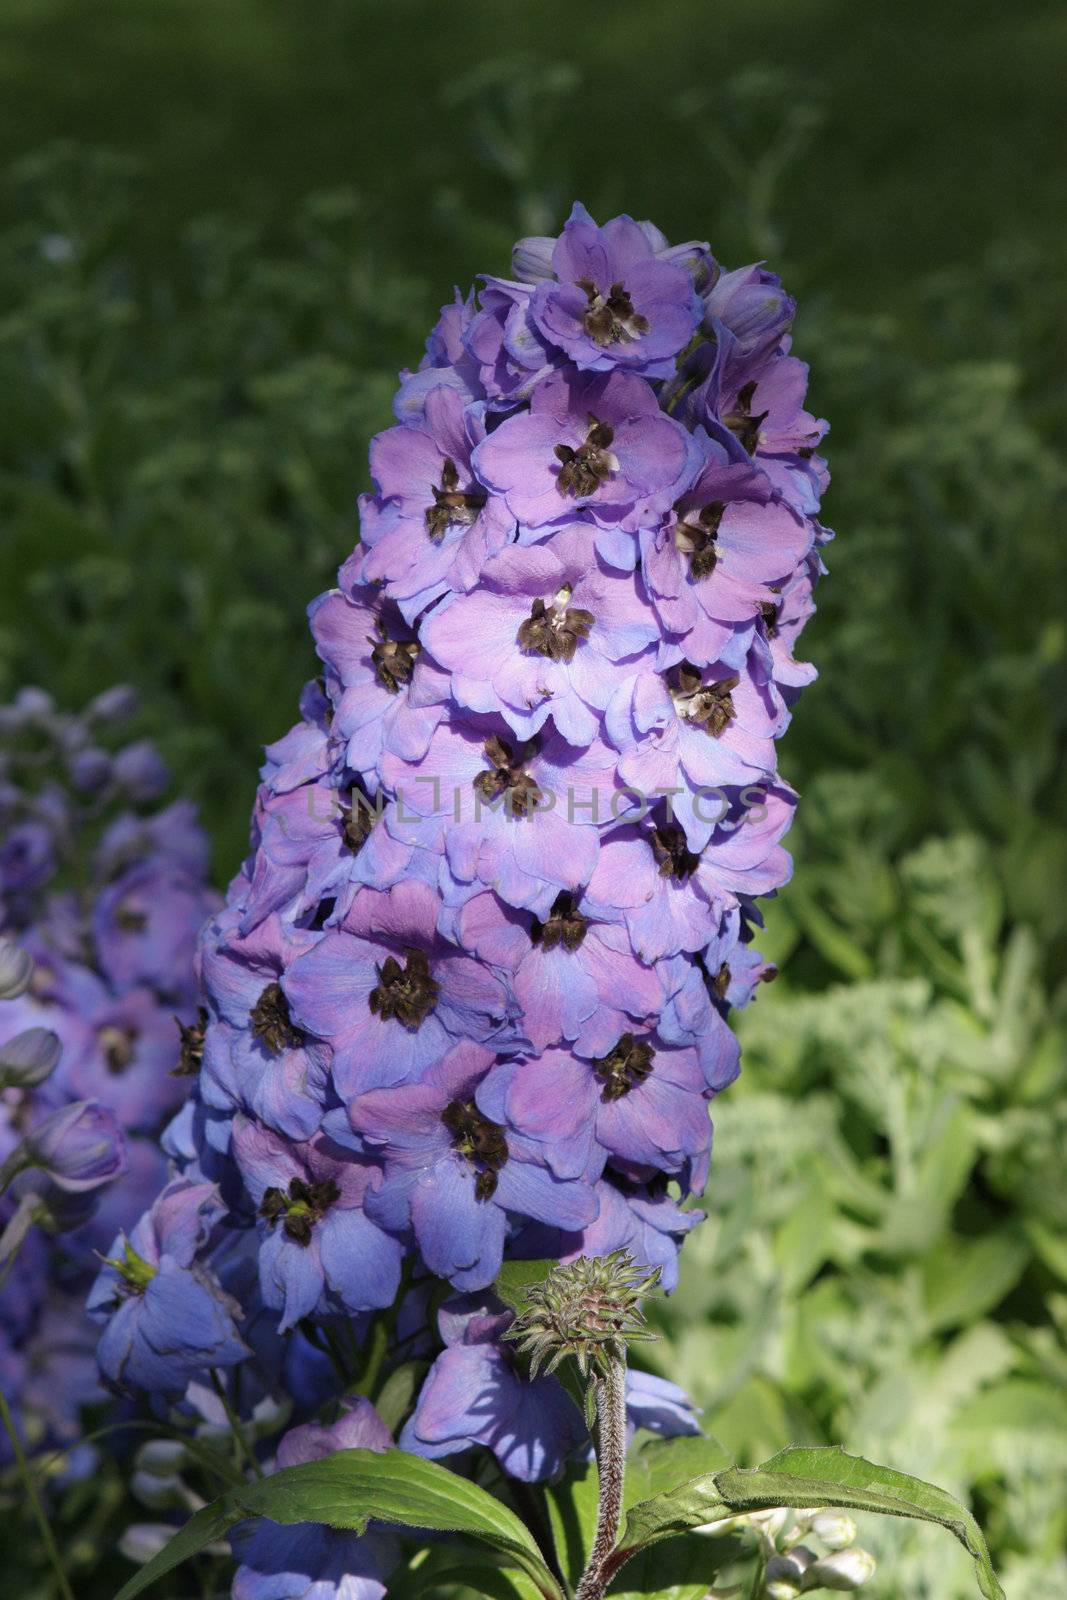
x=80 y=1147
x=589 y=1309
x=785 y=1573
x=90 y=769
x=844 y=1570
x=143 y=1540
x=140 y=771
x=835 y=1529
x=161 y=1458
x=29 y=1058
x=114 y=706
x=16 y=970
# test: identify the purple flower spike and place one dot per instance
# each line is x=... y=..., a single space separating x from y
x=469 y=996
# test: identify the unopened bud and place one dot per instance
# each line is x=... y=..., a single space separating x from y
x=161 y=1457
x=844 y=1570
x=143 y=1540
x=140 y=770
x=785 y=1573
x=80 y=1147
x=589 y=1309
x=16 y=970
x=268 y=1417
x=836 y=1529
x=29 y=1058
x=114 y=705
x=90 y=769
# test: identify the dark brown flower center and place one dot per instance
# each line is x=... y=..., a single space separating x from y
x=582 y=471
x=741 y=421
x=272 y=1023
x=130 y=919
x=507 y=778
x=405 y=993
x=394 y=659
x=610 y=318
x=452 y=506
x=623 y=1068
x=672 y=853
x=555 y=630
x=481 y=1143
x=358 y=818
x=117 y=1045
x=565 y=926
x=769 y=613
x=300 y=1208
x=696 y=539
x=191 y=1049
x=709 y=705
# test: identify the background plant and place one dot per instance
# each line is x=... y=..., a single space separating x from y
x=885 y=1233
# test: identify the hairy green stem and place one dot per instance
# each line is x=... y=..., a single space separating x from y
x=609 y=1393
x=32 y=1496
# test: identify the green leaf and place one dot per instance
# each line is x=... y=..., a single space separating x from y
x=516 y=1278
x=346 y=1490
x=662 y=1465
x=805 y=1477
x=398 y=1392
x=572 y=1512
x=686 y=1570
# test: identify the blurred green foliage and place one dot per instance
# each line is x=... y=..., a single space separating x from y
x=195 y=346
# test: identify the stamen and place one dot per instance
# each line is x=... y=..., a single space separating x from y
x=272 y=1023
x=582 y=471
x=623 y=1068
x=611 y=318
x=565 y=926
x=299 y=1209
x=507 y=778
x=452 y=505
x=553 y=630
x=481 y=1143
x=407 y=994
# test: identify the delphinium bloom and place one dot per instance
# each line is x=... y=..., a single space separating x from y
x=102 y=894
x=468 y=998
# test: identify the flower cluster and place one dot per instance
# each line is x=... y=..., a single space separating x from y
x=101 y=901
x=468 y=996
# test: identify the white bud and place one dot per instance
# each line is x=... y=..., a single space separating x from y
x=785 y=1573
x=769 y=1523
x=836 y=1529
x=162 y=1458
x=845 y=1569
x=143 y=1540
x=268 y=1417
x=16 y=970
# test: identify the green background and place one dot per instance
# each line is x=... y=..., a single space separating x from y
x=227 y=226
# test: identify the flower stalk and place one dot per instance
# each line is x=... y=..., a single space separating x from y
x=609 y=1391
